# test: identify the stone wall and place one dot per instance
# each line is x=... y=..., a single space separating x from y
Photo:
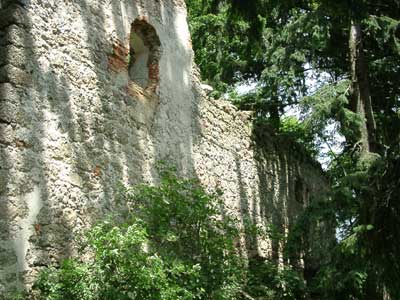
x=262 y=179
x=74 y=123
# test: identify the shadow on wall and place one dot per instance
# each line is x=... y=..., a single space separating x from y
x=248 y=211
x=14 y=149
x=70 y=132
x=81 y=113
x=274 y=208
x=277 y=208
x=289 y=185
x=24 y=150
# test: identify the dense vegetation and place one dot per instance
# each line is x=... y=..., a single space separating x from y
x=169 y=243
x=338 y=61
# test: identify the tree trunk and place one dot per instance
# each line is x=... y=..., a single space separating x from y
x=361 y=104
x=361 y=97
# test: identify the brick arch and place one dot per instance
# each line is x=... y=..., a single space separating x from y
x=144 y=55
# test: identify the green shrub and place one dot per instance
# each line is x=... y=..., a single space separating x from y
x=170 y=243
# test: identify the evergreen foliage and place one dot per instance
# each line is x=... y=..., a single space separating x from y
x=171 y=242
x=351 y=50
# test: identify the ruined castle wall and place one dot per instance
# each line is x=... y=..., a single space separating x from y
x=74 y=123
x=261 y=180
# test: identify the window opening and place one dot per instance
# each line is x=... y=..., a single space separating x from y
x=144 y=55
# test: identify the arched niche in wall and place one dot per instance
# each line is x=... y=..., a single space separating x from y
x=144 y=55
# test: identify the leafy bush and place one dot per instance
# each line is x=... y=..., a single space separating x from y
x=171 y=243
x=269 y=282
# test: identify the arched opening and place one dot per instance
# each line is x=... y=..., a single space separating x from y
x=144 y=55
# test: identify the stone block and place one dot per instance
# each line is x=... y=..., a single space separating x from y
x=10 y=54
x=8 y=112
x=12 y=74
x=14 y=35
x=13 y=14
x=8 y=92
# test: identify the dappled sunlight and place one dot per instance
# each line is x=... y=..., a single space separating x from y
x=103 y=92
x=85 y=130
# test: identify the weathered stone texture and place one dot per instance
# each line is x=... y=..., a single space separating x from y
x=264 y=183
x=73 y=125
